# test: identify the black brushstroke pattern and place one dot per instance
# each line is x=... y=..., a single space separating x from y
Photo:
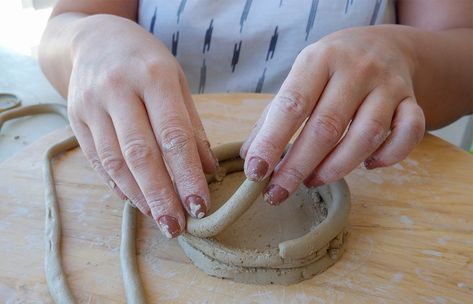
x=310 y=20
x=375 y=12
x=175 y=41
x=181 y=9
x=272 y=44
x=203 y=77
x=153 y=21
x=348 y=3
x=208 y=37
x=259 y=85
x=244 y=14
x=236 y=55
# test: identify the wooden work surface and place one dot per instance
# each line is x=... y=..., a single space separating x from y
x=411 y=230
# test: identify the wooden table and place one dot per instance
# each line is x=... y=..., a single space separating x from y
x=411 y=230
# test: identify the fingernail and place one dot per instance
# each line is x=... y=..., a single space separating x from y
x=195 y=206
x=257 y=168
x=370 y=163
x=169 y=226
x=313 y=181
x=275 y=194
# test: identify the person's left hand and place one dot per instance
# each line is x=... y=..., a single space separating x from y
x=353 y=93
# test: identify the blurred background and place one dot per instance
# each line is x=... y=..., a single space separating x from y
x=21 y=25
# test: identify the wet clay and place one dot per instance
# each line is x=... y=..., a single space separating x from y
x=264 y=244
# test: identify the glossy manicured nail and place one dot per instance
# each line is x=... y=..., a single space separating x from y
x=195 y=206
x=370 y=163
x=169 y=226
x=275 y=194
x=257 y=168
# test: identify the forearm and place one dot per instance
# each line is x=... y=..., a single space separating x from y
x=55 y=52
x=70 y=23
x=443 y=77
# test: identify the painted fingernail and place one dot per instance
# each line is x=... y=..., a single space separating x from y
x=195 y=206
x=169 y=226
x=370 y=163
x=275 y=194
x=257 y=168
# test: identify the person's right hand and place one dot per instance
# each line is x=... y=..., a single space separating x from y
x=132 y=113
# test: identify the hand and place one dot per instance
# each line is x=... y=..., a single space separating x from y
x=132 y=113
x=352 y=93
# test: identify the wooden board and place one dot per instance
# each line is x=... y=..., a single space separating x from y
x=411 y=230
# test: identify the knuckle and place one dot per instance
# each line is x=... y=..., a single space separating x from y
x=368 y=66
x=174 y=139
x=96 y=164
x=111 y=163
x=137 y=152
x=84 y=102
x=327 y=128
x=399 y=84
x=159 y=69
x=307 y=55
x=321 y=50
x=373 y=134
x=292 y=103
x=113 y=78
x=161 y=201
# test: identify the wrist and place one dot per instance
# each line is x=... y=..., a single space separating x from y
x=91 y=31
x=403 y=39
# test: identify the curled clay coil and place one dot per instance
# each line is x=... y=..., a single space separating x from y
x=291 y=260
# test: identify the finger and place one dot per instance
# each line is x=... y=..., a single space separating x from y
x=111 y=158
x=320 y=134
x=173 y=131
x=207 y=157
x=367 y=132
x=87 y=145
x=246 y=145
x=290 y=107
x=408 y=129
x=143 y=158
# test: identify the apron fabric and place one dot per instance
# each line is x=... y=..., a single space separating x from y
x=250 y=45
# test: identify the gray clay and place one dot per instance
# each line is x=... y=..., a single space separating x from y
x=263 y=244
